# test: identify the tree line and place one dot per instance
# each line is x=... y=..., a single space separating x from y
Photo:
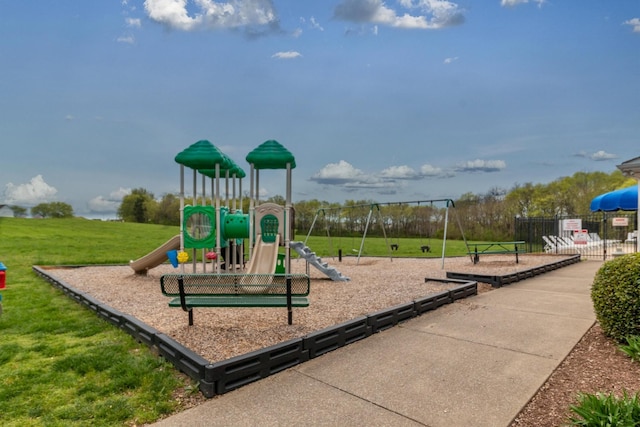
x=488 y=216
x=44 y=210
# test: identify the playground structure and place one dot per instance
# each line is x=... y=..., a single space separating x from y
x=374 y=209
x=213 y=230
x=218 y=230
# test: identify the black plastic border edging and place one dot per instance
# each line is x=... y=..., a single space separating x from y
x=221 y=377
x=499 y=281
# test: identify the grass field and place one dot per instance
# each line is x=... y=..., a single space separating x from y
x=60 y=364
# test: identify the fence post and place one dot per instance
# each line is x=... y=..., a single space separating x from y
x=605 y=235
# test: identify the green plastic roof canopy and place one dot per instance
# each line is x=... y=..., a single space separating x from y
x=233 y=169
x=202 y=155
x=271 y=155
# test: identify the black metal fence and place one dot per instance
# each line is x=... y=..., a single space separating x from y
x=600 y=235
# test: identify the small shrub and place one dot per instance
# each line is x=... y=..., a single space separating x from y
x=616 y=297
x=603 y=410
x=632 y=348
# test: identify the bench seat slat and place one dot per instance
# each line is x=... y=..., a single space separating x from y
x=241 y=301
x=230 y=284
x=498 y=252
x=232 y=290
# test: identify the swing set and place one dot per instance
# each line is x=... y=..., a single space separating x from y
x=334 y=215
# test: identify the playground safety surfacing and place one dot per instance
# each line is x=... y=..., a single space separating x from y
x=221 y=377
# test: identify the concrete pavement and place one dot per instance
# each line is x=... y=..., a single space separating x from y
x=476 y=362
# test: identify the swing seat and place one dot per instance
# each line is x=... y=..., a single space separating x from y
x=425 y=248
x=394 y=247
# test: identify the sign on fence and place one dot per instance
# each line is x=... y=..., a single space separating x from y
x=620 y=222
x=580 y=237
x=574 y=224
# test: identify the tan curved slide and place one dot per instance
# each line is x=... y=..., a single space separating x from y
x=263 y=261
x=155 y=257
x=265 y=257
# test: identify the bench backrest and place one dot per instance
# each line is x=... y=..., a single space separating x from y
x=235 y=284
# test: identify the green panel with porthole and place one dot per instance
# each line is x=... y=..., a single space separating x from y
x=199 y=227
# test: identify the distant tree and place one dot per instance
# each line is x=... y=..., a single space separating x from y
x=584 y=186
x=482 y=216
x=52 y=210
x=139 y=206
x=19 y=211
x=520 y=201
x=168 y=210
x=277 y=199
x=305 y=213
x=570 y=195
x=354 y=217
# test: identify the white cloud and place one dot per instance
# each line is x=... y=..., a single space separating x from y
x=212 y=15
x=286 y=55
x=101 y=204
x=602 y=155
x=431 y=171
x=338 y=173
x=315 y=25
x=450 y=60
x=435 y=13
x=133 y=22
x=635 y=23
x=597 y=156
x=399 y=172
x=481 y=166
x=512 y=3
x=263 y=193
x=350 y=179
x=173 y=13
x=389 y=181
x=383 y=187
x=34 y=192
x=129 y=39
x=443 y=13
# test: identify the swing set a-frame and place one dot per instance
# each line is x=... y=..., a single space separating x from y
x=374 y=209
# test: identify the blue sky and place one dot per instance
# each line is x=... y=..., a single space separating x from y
x=386 y=100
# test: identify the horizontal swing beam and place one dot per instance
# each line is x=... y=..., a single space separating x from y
x=370 y=205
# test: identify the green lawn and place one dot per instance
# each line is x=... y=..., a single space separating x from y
x=59 y=363
x=62 y=365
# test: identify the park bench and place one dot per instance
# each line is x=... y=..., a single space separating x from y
x=487 y=248
x=236 y=290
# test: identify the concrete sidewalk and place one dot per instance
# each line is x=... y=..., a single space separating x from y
x=476 y=362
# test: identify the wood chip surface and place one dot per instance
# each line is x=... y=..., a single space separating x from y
x=221 y=333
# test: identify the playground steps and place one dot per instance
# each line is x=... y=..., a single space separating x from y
x=305 y=252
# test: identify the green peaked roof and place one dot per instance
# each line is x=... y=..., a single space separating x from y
x=202 y=155
x=232 y=167
x=271 y=155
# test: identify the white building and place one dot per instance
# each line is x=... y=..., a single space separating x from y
x=6 y=211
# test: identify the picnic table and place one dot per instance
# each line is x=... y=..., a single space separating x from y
x=487 y=248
